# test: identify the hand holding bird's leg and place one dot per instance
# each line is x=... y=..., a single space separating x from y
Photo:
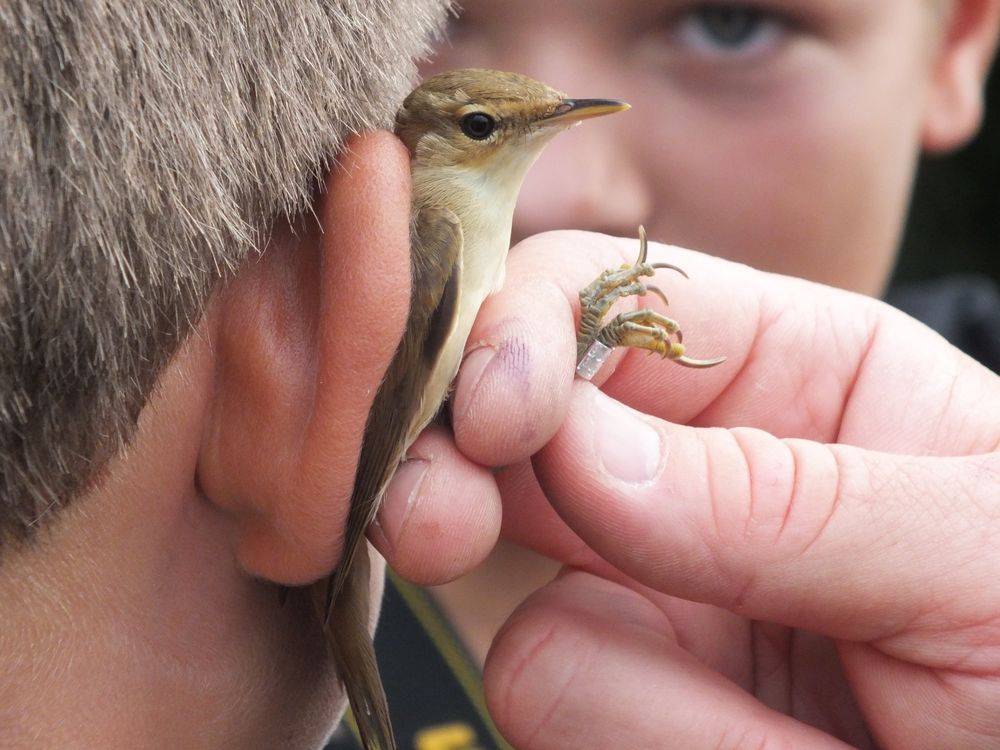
x=643 y=328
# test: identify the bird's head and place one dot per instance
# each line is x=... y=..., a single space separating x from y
x=488 y=120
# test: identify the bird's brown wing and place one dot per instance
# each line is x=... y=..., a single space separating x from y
x=438 y=235
x=435 y=267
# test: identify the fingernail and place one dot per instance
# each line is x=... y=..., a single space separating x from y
x=473 y=367
x=399 y=500
x=627 y=446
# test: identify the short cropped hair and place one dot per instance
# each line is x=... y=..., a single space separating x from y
x=147 y=146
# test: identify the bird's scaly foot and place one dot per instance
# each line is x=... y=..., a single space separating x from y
x=641 y=329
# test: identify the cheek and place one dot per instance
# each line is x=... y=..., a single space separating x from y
x=809 y=181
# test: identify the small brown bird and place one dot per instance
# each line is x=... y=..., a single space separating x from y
x=472 y=135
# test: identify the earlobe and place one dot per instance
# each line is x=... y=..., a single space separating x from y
x=962 y=61
x=302 y=339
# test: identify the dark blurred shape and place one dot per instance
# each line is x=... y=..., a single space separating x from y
x=964 y=308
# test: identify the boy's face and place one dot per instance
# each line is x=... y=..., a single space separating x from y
x=782 y=134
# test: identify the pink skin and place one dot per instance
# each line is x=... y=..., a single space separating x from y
x=792 y=151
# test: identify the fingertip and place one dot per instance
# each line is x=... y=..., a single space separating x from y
x=604 y=470
x=513 y=388
x=441 y=513
x=540 y=673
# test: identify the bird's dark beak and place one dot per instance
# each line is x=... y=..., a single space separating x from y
x=572 y=110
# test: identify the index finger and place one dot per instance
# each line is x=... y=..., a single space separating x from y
x=803 y=360
x=513 y=389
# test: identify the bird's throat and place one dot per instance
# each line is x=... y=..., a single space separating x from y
x=484 y=204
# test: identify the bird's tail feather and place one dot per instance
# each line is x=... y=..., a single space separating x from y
x=347 y=632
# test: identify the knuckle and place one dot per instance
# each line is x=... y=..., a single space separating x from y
x=790 y=493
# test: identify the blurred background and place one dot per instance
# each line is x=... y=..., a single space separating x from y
x=954 y=222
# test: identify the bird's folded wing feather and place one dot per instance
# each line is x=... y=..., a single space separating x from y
x=435 y=267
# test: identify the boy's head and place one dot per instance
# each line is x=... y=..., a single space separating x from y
x=784 y=135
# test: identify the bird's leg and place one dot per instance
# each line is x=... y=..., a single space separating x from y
x=598 y=297
x=642 y=328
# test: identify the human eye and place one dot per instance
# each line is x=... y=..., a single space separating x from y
x=732 y=31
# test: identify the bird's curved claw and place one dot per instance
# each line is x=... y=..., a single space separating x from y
x=699 y=364
x=643 y=328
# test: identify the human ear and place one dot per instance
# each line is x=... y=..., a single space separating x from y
x=967 y=43
x=302 y=339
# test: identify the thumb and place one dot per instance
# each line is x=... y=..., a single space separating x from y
x=850 y=543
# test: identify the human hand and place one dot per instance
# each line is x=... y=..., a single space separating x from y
x=814 y=557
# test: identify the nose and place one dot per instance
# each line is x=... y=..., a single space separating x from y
x=586 y=178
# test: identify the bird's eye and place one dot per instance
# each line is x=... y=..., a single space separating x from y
x=478 y=126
